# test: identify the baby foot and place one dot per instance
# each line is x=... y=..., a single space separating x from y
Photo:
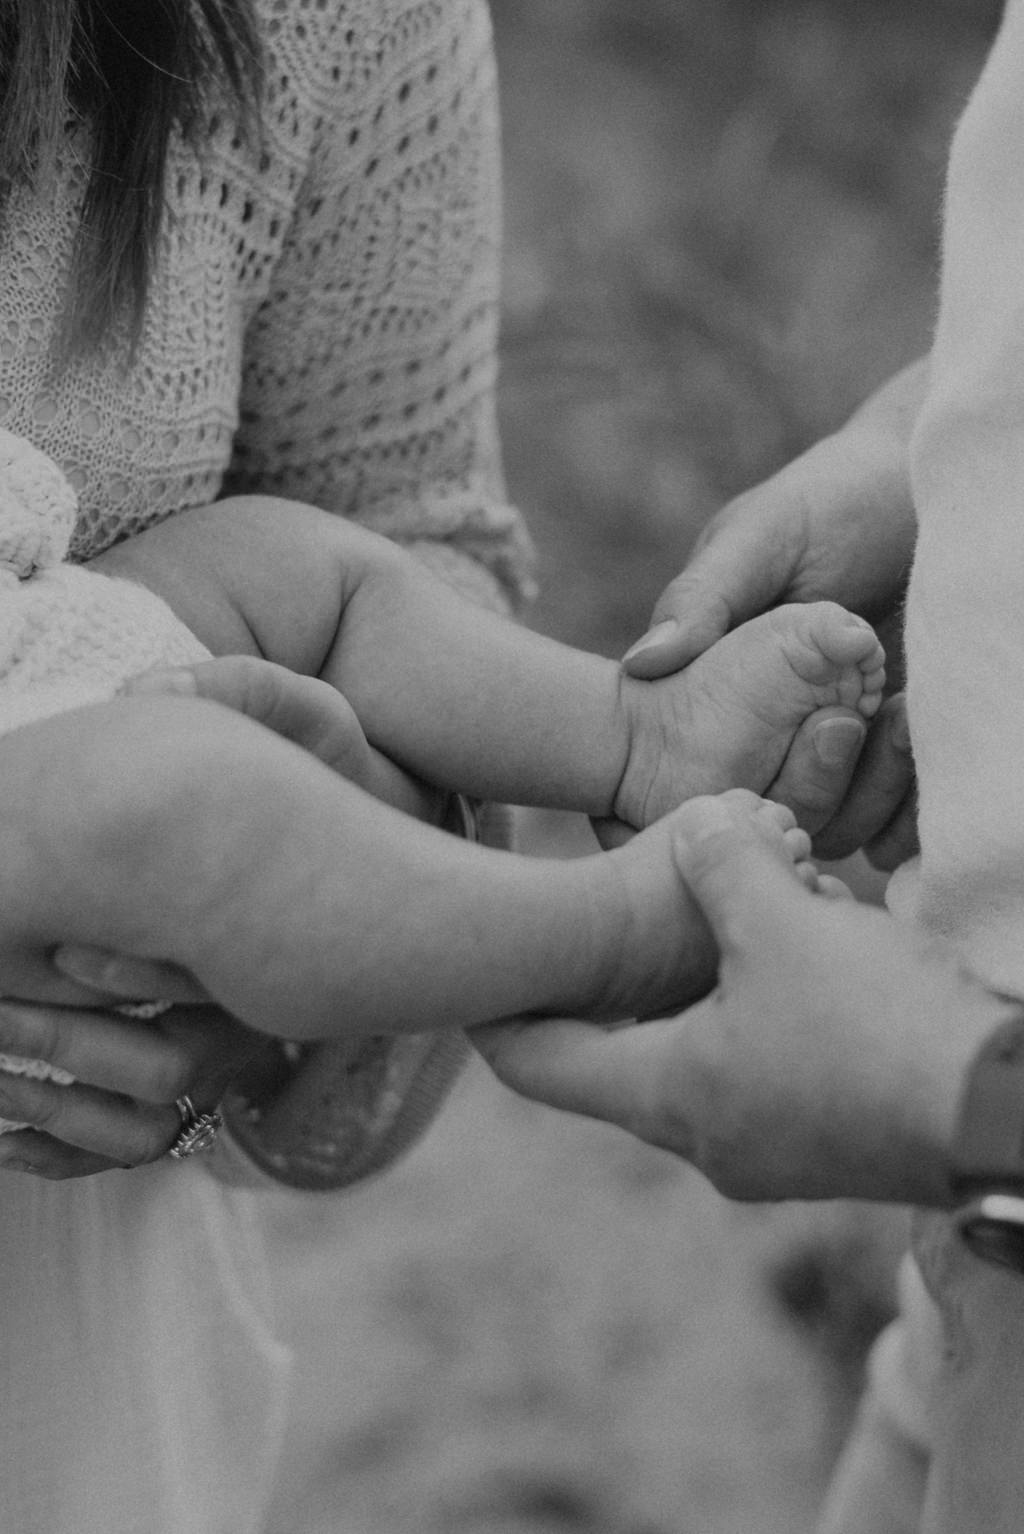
x=667 y=958
x=729 y=717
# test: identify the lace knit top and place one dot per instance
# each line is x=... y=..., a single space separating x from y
x=322 y=323
x=321 y=326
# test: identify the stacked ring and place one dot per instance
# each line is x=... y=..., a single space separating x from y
x=198 y=1130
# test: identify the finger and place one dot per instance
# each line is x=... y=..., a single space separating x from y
x=123 y=1132
x=742 y=884
x=819 y=765
x=738 y=569
x=612 y=833
x=139 y=1060
x=577 y=1067
x=302 y=709
x=899 y=840
x=219 y=1049
x=879 y=789
x=669 y=643
x=27 y=1150
x=120 y=978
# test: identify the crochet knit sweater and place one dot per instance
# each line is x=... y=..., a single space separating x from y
x=321 y=326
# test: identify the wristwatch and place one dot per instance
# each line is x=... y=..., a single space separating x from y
x=988 y=1151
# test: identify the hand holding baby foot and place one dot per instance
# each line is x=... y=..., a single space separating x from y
x=730 y=718
x=664 y=955
x=827 y=1063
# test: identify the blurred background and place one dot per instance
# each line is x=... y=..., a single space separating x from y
x=721 y=230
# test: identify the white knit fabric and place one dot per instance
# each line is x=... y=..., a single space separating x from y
x=965 y=655
x=323 y=327
x=67 y=636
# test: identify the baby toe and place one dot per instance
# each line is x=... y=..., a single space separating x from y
x=797 y=845
x=834 y=889
x=807 y=872
x=775 y=819
x=843 y=637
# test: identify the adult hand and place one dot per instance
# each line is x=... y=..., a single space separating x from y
x=850 y=784
x=121 y=1111
x=827 y=1063
x=837 y=523
x=305 y=711
x=878 y=812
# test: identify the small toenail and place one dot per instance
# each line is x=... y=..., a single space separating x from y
x=837 y=740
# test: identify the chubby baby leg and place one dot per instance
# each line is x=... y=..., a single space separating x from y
x=728 y=719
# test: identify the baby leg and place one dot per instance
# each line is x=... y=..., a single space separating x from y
x=729 y=717
x=662 y=956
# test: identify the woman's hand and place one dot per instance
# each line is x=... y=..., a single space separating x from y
x=836 y=523
x=121 y=1111
x=828 y=1063
x=304 y=710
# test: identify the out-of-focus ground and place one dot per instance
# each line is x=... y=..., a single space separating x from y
x=721 y=233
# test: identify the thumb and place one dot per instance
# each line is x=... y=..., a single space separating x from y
x=742 y=884
x=690 y=616
x=299 y=708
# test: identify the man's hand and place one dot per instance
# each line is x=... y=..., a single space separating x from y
x=878 y=811
x=828 y=1062
x=128 y=1074
x=836 y=524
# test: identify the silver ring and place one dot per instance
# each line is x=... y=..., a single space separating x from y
x=198 y=1130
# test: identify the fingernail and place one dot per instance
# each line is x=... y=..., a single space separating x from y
x=177 y=680
x=837 y=740
x=653 y=638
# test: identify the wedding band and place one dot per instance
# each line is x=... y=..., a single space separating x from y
x=198 y=1130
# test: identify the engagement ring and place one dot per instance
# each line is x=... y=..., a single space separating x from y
x=198 y=1130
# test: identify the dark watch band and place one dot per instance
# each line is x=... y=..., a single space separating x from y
x=988 y=1152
